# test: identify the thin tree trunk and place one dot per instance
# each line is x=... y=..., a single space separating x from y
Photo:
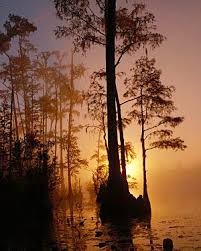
x=121 y=134
x=61 y=140
x=11 y=116
x=56 y=120
x=4 y=139
x=97 y=181
x=145 y=192
x=61 y=143
x=41 y=126
x=46 y=113
x=11 y=126
x=32 y=110
x=98 y=151
x=70 y=190
x=104 y=131
x=15 y=116
x=4 y=152
x=13 y=95
x=50 y=129
x=69 y=133
x=43 y=117
x=26 y=101
x=19 y=110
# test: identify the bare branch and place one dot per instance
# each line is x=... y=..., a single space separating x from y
x=61 y=29
x=150 y=148
x=124 y=50
x=150 y=128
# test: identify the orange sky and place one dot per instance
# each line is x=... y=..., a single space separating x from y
x=179 y=57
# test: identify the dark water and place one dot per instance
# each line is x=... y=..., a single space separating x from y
x=79 y=228
x=131 y=235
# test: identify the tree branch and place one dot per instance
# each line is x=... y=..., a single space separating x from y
x=150 y=128
x=129 y=100
x=99 y=2
x=147 y=135
x=124 y=50
x=85 y=21
x=82 y=38
x=150 y=148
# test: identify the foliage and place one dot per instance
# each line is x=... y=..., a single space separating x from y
x=153 y=106
x=85 y=22
x=35 y=98
x=76 y=161
x=100 y=173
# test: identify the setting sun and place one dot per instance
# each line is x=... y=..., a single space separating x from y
x=134 y=167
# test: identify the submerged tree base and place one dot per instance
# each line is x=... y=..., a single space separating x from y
x=116 y=201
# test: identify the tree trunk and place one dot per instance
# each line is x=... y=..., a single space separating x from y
x=11 y=132
x=50 y=128
x=114 y=163
x=69 y=133
x=70 y=190
x=12 y=107
x=98 y=150
x=145 y=192
x=61 y=142
x=56 y=120
x=43 y=116
x=121 y=134
x=32 y=109
x=25 y=92
x=104 y=131
x=15 y=116
x=19 y=111
x=46 y=112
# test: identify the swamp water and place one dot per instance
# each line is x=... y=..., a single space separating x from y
x=79 y=228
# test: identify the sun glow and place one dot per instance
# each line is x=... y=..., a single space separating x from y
x=133 y=168
x=134 y=174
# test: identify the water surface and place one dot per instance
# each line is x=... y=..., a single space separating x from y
x=79 y=227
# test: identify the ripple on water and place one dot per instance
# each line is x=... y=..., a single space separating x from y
x=80 y=229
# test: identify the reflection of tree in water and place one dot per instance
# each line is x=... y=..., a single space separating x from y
x=142 y=232
x=69 y=224
x=79 y=227
x=119 y=234
x=126 y=234
x=150 y=235
x=60 y=228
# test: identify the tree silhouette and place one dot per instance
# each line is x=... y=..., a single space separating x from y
x=20 y=28
x=96 y=102
x=73 y=157
x=98 y=23
x=152 y=108
x=100 y=173
x=4 y=131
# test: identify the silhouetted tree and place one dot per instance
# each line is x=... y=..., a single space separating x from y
x=26 y=80
x=152 y=108
x=20 y=28
x=96 y=101
x=43 y=64
x=100 y=173
x=4 y=132
x=74 y=160
x=98 y=22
